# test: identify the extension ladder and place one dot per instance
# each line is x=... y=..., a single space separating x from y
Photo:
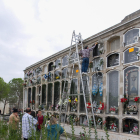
x=77 y=40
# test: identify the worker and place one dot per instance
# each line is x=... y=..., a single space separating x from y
x=85 y=53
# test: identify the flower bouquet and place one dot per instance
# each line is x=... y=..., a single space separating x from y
x=99 y=123
x=101 y=107
x=113 y=110
x=113 y=127
x=51 y=108
x=123 y=100
x=88 y=106
x=136 y=99
x=135 y=130
x=138 y=53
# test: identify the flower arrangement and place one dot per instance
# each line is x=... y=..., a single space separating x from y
x=57 y=77
x=76 y=119
x=65 y=102
x=136 y=99
x=90 y=65
x=33 y=102
x=75 y=100
x=138 y=53
x=69 y=99
x=29 y=73
x=132 y=108
x=30 y=101
x=99 y=121
x=101 y=106
x=113 y=126
x=126 y=125
x=123 y=100
x=113 y=109
x=88 y=104
x=57 y=107
x=135 y=129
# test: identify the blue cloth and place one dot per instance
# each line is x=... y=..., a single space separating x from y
x=85 y=64
x=54 y=132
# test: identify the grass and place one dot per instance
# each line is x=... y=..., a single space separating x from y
x=7 y=133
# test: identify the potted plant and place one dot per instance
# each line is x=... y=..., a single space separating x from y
x=99 y=123
x=135 y=130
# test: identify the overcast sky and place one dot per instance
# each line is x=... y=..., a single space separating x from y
x=31 y=30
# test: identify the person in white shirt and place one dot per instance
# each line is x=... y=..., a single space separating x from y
x=28 y=124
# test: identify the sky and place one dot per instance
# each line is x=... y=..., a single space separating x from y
x=31 y=30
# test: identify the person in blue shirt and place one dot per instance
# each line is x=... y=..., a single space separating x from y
x=54 y=130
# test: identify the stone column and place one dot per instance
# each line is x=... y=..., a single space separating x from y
x=120 y=125
x=36 y=98
x=23 y=98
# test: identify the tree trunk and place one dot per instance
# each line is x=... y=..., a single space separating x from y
x=4 y=107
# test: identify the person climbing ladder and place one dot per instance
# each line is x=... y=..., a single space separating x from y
x=85 y=53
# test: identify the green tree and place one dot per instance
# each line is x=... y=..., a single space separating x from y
x=16 y=90
x=4 y=93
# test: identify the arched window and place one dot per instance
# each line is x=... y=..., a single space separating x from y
x=130 y=126
x=56 y=93
x=113 y=60
x=45 y=68
x=112 y=124
x=64 y=73
x=97 y=91
x=49 y=97
x=114 y=44
x=130 y=55
x=57 y=75
x=131 y=37
x=97 y=64
x=65 y=61
x=57 y=63
x=131 y=89
x=44 y=94
x=50 y=68
x=112 y=92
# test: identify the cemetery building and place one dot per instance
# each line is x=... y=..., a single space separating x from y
x=114 y=67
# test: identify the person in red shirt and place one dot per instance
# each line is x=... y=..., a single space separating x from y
x=40 y=120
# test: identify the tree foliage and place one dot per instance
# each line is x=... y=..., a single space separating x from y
x=16 y=90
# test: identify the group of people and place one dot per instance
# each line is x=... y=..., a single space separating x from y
x=32 y=123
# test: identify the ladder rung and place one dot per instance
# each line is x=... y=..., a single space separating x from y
x=77 y=94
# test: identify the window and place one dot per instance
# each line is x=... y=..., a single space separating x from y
x=57 y=75
x=97 y=64
x=64 y=73
x=44 y=94
x=45 y=69
x=131 y=89
x=29 y=96
x=75 y=71
x=130 y=125
x=82 y=103
x=49 y=99
x=114 y=44
x=97 y=90
x=65 y=61
x=73 y=57
x=33 y=93
x=113 y=60
x=57 y=63
x=131 y=37
x=112 y=124
x=130 y=55
x=56 y=93
x=112 y=92
x=50 y=67
x=96 y=51
x=73 y=90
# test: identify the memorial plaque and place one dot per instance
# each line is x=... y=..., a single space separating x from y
x=130 y=56
x=113 y=60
